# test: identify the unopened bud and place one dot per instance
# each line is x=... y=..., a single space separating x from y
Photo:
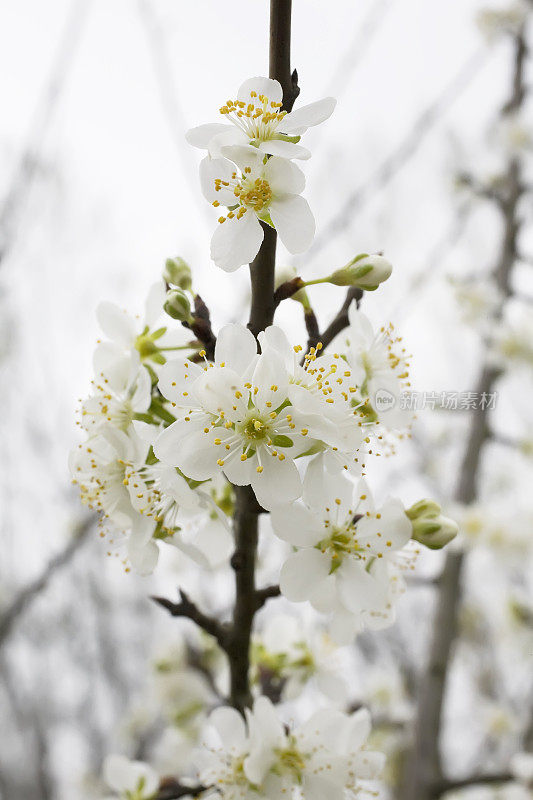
x=177 y=272
x=364 y=271
x=430 y=527
x=177 y=305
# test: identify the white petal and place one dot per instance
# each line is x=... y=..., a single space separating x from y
x=245 y=156
x=144 y=559
x=267 y=86
x=210 y=170
x=278 y=483
x=358 y=730
x=270 y=372
x=368 y=764
x=153 y=307
x=324 y=597
x=236 y=242
x=236 y=347
x=116 y=772
x=202 y=135
x=142 y=396
x=284 y=149
x=176 y=379
x=321 y=487
x=232 y=137
x=294 y=222
x=360 y=331
x=230 y=727
x=116 y=324
x=297 y=525
x=302 y=572
x=358 y=590
x=305 y=117
x=275 y=338
x=284 y=177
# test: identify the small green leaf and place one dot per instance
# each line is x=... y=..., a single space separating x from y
x=282 y=441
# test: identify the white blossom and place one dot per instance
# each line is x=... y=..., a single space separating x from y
x=255 y=188
x=145 y=502
x=294 y=655
x=346 y=551
x=237 y=416
x=121 y=391
x=130 y=780
x=259 y=759
x=379 y=367
x=255 y=118
x=149 y=335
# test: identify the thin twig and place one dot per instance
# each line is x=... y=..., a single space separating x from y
x=187 y=609
x=341 y=320
x=26 y=596
x=403 y=153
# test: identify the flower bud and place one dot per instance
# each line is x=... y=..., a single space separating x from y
x=177 y=305
x=177 y=272
x=364 y=271
x=430 y=527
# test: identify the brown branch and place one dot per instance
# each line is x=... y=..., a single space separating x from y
x=30 y=593
x=269 y=592
x=187 y=609
x=201 y=327
x=341 y=321
x=171 y=789
x=424 y=767
x=444 y=785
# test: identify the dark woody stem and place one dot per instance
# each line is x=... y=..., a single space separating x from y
x=246 y=517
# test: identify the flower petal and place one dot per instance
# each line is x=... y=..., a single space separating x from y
x=236 y=347
x=236 y=242
x=279 y=482
x=284 y=149
x=229 y=725
x=297 y=525
x=307 y=116
x=116 y=324
x=294 y=222
x=176 y=379
x=212 y=169
x=302 y=572
x=267 y=86
x=202 y=135
x=284 y=177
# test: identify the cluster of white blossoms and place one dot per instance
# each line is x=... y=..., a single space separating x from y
x=178 y=418
x=249 y=171
x=140 y=500
x=290 y=656
x=260 y=758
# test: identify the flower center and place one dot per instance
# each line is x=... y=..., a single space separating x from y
x=255 y=194
x=290 y=760
x=258 y=118
x=255 y=429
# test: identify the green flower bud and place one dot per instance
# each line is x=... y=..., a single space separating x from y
x=177 y=273
x=364 y=271
x=177 y=305
x=430 y=527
